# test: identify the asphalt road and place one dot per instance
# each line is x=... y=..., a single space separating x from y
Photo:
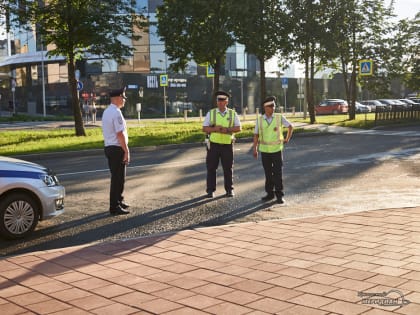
x=323 y=174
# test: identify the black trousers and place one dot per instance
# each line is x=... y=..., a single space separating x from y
x=273 y=169
x=115 y=156
x=224 y=153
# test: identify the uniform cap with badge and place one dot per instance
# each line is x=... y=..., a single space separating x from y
x=221 y=95
x=118 y=92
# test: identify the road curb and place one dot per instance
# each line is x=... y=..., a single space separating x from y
x=90 y=152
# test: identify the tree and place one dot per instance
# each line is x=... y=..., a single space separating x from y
x=258 y=25
x=198 y=30
x=404 y=53
x=303 y=19
x=355 y=30
x=75 y=28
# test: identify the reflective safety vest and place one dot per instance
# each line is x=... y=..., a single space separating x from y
x=270 y=136
x=227 y=121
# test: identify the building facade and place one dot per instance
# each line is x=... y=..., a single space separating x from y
x=38 y=84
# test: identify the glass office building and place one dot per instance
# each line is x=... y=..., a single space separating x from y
x=25 y=71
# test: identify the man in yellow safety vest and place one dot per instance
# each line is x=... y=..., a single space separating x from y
x=220 y=123
x=269 y=140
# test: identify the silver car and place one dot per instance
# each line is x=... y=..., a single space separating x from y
x=360 y=108
x=28 y=192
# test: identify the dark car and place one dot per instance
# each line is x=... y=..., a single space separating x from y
x=332 y=106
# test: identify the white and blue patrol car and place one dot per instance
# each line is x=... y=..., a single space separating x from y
x=28 y=192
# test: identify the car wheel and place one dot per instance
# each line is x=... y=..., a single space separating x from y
x=18 y=215
x=335 y=112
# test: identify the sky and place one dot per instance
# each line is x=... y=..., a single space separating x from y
x=406 y=8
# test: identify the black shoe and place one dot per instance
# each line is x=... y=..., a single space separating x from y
x=124 y=205
x=210 y=195
x=230 y=193
x=281 y=201
x=118 y=211
x=268 y=197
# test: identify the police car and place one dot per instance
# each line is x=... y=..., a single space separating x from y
x=28 y=192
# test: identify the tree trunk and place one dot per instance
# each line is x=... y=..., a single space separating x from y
x=311 y=84
x=77 y=113
x=309 y=79
x=352 y=88
x=352 y=104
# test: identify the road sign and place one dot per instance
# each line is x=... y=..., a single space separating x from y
x=366 y=67
x=79 y=85
x=209 y=71
x=163 y=80
x=284 y=83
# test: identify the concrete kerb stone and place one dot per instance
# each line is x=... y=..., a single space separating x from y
x=89 y=152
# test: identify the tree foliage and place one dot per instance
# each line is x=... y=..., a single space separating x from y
x=304 y=20
x=259 y=26
x=76 y=28
x=198 y=30
x=404 y=53
x=355 y=30
x=318 y=33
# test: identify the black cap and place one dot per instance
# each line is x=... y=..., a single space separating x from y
x=119 y=92
x=269 y=101
x=223 y=93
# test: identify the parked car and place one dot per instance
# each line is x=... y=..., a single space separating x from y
x=373 y=104
x=360 y=108
x=28 y=193
x=332 y=106
x=415 y=99
x=409 y=102
x=387 y=103
x=396 y=104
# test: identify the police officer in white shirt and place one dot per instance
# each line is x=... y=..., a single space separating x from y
x=114 y=129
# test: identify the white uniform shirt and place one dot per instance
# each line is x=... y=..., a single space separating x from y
x=113 y=122
x=284 y=122
x=207 y=123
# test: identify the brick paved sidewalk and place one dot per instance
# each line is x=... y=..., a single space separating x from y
x=323 y=265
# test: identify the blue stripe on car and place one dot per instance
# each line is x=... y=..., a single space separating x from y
x=19 y=174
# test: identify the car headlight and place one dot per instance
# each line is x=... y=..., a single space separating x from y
x=49 y=180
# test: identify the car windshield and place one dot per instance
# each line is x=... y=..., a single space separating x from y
x=408 y=101
x=397 y=102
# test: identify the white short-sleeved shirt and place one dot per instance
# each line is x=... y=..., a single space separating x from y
x=284 y=122
x=113 y=122
x=236 y=121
